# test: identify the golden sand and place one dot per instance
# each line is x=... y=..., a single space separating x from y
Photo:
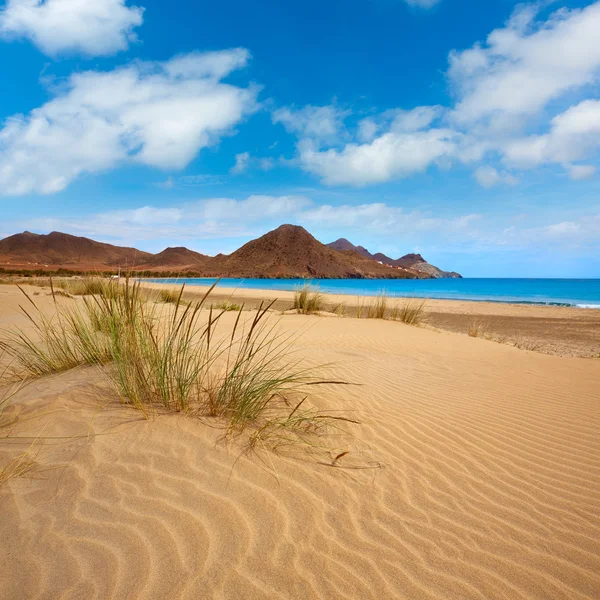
x=475 y=473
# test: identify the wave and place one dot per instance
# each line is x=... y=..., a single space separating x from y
x=587 y=305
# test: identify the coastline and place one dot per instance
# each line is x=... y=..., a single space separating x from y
x=561 y=330
x=260 y=285
x=462 y=447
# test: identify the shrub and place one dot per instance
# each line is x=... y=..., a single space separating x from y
x=308 y=300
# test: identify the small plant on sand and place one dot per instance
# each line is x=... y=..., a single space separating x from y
x=478 y=329
x=170 y=296
x=340 y=309
x=360 y=307
x=308 y=300
x=378 y=309
x=412 y=312
x=177 y=358
x=88 y=286
x=228 y=306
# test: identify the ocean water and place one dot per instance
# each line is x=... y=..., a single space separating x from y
x=583 y=293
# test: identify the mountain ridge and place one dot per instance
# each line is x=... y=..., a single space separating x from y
x=408 y=261
x=286 y=252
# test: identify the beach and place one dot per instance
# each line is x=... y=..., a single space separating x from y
x=473 y=469
x=560 y=330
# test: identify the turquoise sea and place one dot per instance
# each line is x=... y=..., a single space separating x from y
x=583 y=293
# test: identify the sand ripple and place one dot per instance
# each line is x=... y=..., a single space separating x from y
x=489 y=486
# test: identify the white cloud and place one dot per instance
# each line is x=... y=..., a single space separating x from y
x=92 y=27
x=574 y=135
x=579 y=172
x=526 y=64
x=156 y=114
x=229 y=217
x=504 y=89
x=489 y=177
x=242 y=161
x=324 y=124
x=391 y=155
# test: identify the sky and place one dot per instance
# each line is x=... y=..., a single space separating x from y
x=467 y=131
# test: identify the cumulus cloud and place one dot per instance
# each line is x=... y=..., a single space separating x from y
x=505 y=88
x=526 y=64
x=574 y=134
x=324 y=124
x=391 y=155
x=242 y=162
x=489 y=177
x=156 y=114
x=91 y=27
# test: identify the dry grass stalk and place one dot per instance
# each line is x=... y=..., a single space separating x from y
x=412 y=312
x=308 y=300
x=378 y=309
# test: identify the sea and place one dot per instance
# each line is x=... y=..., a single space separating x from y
x=582 y=293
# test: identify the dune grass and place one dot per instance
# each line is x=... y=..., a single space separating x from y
x=170 y=296
x=412 y=312
x=378 y=309
x=308 y=300
x=175 y=358
x=228 y=306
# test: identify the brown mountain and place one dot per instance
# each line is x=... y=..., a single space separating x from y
x=61 y=249
x=177 y=257
x=413 y=262
x=290 y=251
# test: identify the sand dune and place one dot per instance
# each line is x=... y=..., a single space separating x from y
x=475 y=473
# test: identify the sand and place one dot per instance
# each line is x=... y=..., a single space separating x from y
x=475 y=473
x=563 y=331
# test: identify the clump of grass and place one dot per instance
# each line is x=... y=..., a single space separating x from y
x=227 y=306
x=340 y=309
x=170 y=296
x=89 y=286
x=175 y=358
x=378 y=309
x=527 y=344
x=360 y=307
x=477 y=329
x=59 y=342
x=412 y=312
x=308 y=300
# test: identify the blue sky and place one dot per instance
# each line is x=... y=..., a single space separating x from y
x=467 y=131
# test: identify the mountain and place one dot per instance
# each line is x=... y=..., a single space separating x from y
x=61 y=249
x=177 y=257
x=290 y=251
x=410 y=261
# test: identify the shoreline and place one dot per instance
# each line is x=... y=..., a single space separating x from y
x=559 y=330
x=587 y=305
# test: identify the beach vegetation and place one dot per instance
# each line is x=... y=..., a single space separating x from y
x=308 y=300
x=412 y=312
x=378 y=308
x=177 y=358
